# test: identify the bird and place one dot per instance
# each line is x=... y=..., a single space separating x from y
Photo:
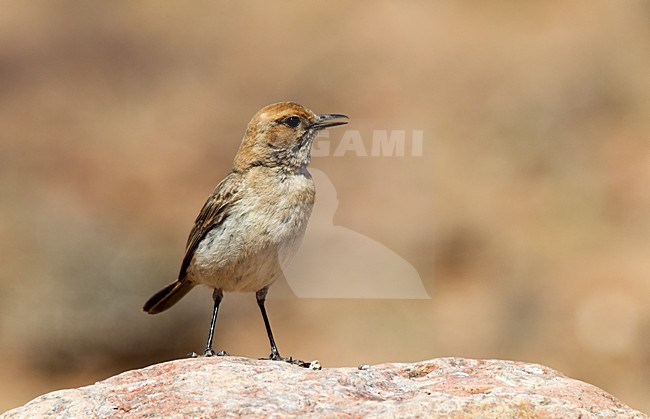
x=252 y=224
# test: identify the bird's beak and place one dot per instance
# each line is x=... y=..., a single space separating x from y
x=325 y=121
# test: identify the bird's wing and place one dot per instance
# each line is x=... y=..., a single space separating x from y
x=214 y=212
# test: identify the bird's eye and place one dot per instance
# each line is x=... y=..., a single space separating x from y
x=292 y=121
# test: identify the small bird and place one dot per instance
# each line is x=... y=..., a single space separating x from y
x=251 y=226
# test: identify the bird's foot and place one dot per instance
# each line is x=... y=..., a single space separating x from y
x=209 y=352
x=314 y=365
x=275 y=356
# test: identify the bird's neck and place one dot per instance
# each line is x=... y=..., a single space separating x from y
x=284 y=160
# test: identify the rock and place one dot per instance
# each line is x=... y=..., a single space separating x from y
x=220 y=386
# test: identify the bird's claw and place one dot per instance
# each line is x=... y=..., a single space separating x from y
x=208 y=353
x=274 y=356
x=291 y=360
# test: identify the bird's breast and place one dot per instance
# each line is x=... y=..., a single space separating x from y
x=259 y=237
x=277 y=208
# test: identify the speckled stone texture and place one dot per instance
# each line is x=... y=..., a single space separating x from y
x=232 y=386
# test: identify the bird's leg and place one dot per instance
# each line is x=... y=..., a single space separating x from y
x=261 y=298
x=217 y=295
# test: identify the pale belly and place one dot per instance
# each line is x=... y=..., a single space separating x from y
x=253 y=245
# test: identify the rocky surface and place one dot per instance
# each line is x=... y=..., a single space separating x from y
x=232 y=386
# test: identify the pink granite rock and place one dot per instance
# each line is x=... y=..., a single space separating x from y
x=232 y=386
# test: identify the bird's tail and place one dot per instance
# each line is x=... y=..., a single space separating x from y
x=167 y=297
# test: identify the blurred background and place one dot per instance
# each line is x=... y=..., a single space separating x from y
x=527 y=214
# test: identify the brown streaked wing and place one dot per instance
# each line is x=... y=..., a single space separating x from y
x=214 y=211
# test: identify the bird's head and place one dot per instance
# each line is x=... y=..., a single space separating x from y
x=280 y=135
